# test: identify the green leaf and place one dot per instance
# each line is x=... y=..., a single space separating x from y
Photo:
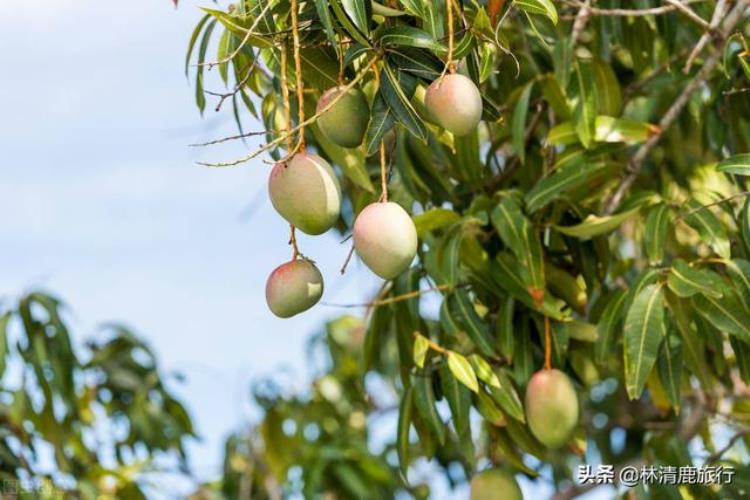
x=607 y=89
x=742 y=357
x=488 y=410
x=643 y=333
x=404 y=421
x=382 y=120
x=727 y=313
x=462 y=370
x=357 y=12
x=504 y=330
x=655 y=232
x=484 y=371
x=421 y=346
x=193 y=39
x=737 y=164
x=607 y=326
x=507 y=397
x=670 y=369
x=743 y=222
x=459 y=400
x=560 y=182
x=424 y=400
x=518 y=126
x=385 y=11
x=397 y=88
x=708 y=226
x=200 y=98
x=739 y=272
x=519 y=236
x=408 y=36
x=418 y=62
x=595 y=225
x=321 y=8
x=504 y=272
x=541 y=7
x=585 y=112
x=693 y=345
x=413 y=7
x=434 y=218
x=378 y=327
x=686 y=281
x=4 y=320
x=606 y=129
x=462 y=310
x=239 y=28
x=348 y=24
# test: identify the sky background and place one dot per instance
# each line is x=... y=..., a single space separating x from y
x=103 y=205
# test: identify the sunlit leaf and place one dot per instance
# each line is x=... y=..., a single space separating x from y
x=643 y=334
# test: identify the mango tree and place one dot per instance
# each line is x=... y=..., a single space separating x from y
x=555 y=195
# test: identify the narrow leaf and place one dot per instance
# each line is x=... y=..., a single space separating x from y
x=462 y=370
x=421 y=346
x=643 y=333
x=686 y=281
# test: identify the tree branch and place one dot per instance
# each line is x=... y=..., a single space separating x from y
x=636 y=163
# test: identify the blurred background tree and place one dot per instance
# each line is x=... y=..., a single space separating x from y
x=82 y=423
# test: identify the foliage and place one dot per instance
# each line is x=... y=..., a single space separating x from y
x=603 y=195
x=86 y=422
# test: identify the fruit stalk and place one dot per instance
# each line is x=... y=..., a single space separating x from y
x=383 y=174
x=285 y=95
x=298 y=74
x=547 y=345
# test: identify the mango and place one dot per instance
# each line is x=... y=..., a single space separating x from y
x=551 y=407
x=293 y=287
x=304 y=190
x=454 y=103
x=345 y=122
x=495 y=484
x=385 y=238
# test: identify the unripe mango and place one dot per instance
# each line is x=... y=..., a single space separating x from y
x=293 y=287
x=495 y=484
x=551 y=407
x=345 y=122
x=454 y=103
x=305 y=192
x=385 y=238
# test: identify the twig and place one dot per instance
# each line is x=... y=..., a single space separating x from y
x=433 y=345
x=397 y=298
x=238 y=87
x=636 y=163
x=230 y=138
x=713 y=204
x=579 y=24
x=307 y=121
x=248 y=34
x=718 y=15
x=690 y=13
x=348 y=258
x=654 y=11
x=716 y=456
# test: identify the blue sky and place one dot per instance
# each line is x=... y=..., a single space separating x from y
x=104 y=205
